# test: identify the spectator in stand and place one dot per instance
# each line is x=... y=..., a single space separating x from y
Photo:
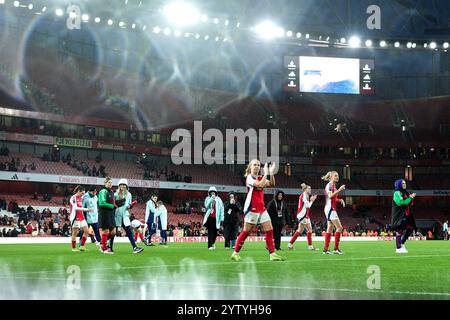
x=33 y=166
x=25 y=168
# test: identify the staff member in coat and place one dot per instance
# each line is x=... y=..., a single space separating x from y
x=402 y=221
x=161 y=214
x=232 y=211
x=279 y=216
x=213 y=217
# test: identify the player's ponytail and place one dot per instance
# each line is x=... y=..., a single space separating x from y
x=327 y=177
x=249 y=168
x=304 y=186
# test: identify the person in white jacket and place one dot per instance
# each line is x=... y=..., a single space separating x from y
x=305 y=201
x=213 y=217
x=161 y=215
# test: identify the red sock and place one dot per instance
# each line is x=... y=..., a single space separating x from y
x=141 y=236
x=135 y=236
x=240 y=241
x=309 y=237
x=327 y=240
x=269 y=241
x=337 y=238
x=83 y=240
x=104 y=240
x=74 y=244
x=294 y=237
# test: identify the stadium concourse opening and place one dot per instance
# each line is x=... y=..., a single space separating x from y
x=320 y=170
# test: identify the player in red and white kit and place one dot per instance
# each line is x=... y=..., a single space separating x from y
x=137 y=228
x=330 y=210
x=254 y=208
x=77 y=219
x=305 y=201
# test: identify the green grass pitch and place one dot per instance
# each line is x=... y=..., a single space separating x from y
x=367 y=270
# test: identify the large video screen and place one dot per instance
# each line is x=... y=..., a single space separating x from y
x=329 y=75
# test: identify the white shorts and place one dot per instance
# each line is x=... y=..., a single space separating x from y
x=256 y=218
x=305 y=221
x=79 y=224
x=331 y=215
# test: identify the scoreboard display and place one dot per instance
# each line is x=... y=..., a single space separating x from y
x=329 y=75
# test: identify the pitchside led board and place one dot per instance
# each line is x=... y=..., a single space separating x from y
x=329 y=75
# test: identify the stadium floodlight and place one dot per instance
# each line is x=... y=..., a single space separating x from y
x=289 y=33
x=217 y=39
x=187 y=34
x=343 y=40
x=59 y=12
x=433 y=45
x=2 y=1
x=414 y=45
x=133 y=26
x=397 y=44
x=409 y=45
x=156 y=30
x=177 y=33
x=206 y=37
x=85 y=17
x=382 y=43
x=204 y=18
x=425 y=45
x=16 y=4
x=368 y=43
x=121 y=24
x=167 y=31
x=227 y=22
x=30 y=6
x=445 y=45
x=144 y=28
x=97 y=20
x=354 y=42
x=307 y=36
x=298 y=35
x=268 y=30
x=181 y=13
x=216 y=20
x=225 y=39
x=44 y=9
x=110 y=22
x=197 y=36
x=238 y=25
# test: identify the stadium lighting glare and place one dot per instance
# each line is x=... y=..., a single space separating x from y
x=227 y=22
x=2 y=1
x=409 y=45
x=343 y=40
x=97 y=20
x=16 y=4
x=307 y=36
x=156 y=30
x=216 y=20
x=354 y=42
x=445 y=45
x=204 y=18
x=414 y=45
x=433 y=45
x=217 y=39
x=397 y=44
x=382 y=43
x=110 y=22
x=181 y=13
x=144 y=28
x=289 y=33
x=238 y=25
x=167 y=31
x=177 y=33
x=368 y=43
x=44 y=9
x=425 y=45
x=30 y=6
x=84 y=17
x=298 y=35
x=268 y=30
x=197 y=36
x=186 y=35
x=59 y=12
x=121 y=24
x=206 y=37
x=133 y=26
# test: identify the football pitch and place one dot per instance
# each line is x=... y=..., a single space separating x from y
x=367 y=270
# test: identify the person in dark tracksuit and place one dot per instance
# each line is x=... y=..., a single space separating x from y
x=279 y=215
x=213 y=216
x=231 y=221
x=402 y=221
